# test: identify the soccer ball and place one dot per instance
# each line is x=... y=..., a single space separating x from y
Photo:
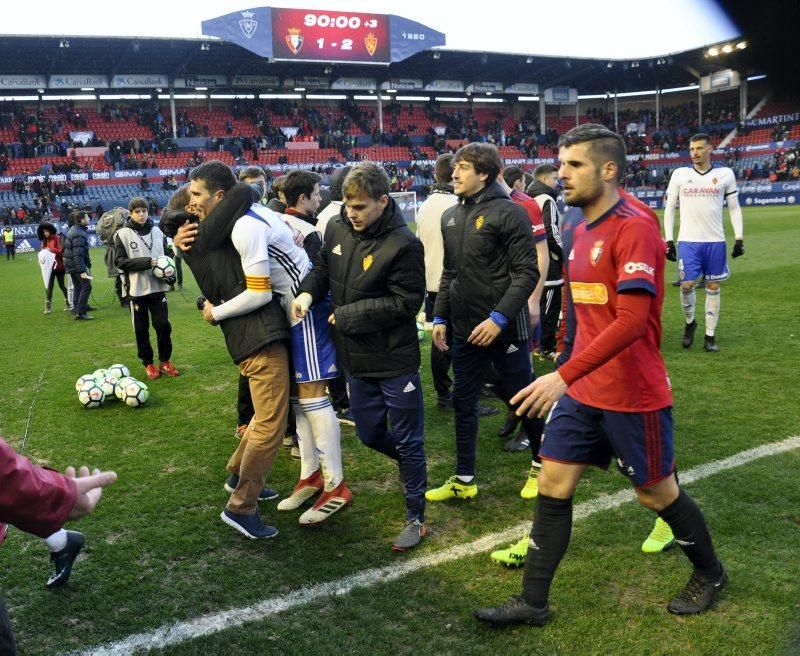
x=91 y=394
x=122 y=383
x=164 y=267
x=135 y=394
x=86 y=378
x=420 y=331
x=119 y=370
x=108 y=384
x=99 y=374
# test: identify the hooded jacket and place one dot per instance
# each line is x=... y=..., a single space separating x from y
x=489 y=264
x=377 y=281
x=546 y=197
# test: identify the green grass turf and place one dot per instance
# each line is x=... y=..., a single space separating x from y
x=158 y=552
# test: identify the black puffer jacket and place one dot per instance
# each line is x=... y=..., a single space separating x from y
x=76 y=250
x=377 y=279
x=489 y=264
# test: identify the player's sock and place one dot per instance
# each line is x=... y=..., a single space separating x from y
x=688 y=303
x=57 y=541
x=691 y=533
x=465 y=480
x=309 y=460
x=327 y=436
x=552 y=527
x=712 y=310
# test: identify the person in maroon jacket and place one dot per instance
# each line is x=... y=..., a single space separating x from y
x=40 y=501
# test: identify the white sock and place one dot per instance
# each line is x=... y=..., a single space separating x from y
x=466 y=480
x=712 y=311
x=309 y=461
x=57 y=541
x=327 y=435
x=688 y=303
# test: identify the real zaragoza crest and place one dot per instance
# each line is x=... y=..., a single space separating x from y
x=367 y=262
x=294 y=40
x=248 y=24
x=371 y=42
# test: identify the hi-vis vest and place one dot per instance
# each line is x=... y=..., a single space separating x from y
x=8 y=236
x=142 y=283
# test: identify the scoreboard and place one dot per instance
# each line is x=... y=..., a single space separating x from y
x=324 y=36
x=330 y=36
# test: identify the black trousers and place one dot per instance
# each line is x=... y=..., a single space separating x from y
x=441 y=361
x=145 y=309
x=81 y=289
x=550 y=308
x=56 y=276
x=11 y=250
x=7 y=643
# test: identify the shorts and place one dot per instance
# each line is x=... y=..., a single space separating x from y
x=640 y=441
x=706 y=258
x=313 y=353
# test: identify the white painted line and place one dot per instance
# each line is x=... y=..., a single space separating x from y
x=179 y=632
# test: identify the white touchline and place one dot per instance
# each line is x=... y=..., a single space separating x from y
x=179 y=632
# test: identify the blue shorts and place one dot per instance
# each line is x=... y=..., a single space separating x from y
x=702 y=258
x=640 y=441
x=313 y=353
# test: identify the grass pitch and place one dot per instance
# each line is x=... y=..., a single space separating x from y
x=158 y=552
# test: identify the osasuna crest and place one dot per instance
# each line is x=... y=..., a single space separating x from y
x=371 y=42
x=367 y=262
x=596 y=252
x=248 y=24
x=479 y=222
x=294 y=40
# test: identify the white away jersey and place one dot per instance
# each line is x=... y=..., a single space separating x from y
x=700 y=197
x=262 y=235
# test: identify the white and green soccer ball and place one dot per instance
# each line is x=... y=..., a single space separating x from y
x=119 y=371
x=99 y=374
x=90 y=394
x=84 y=379
x=420 y=331
x=122 y=383
x=164 y=267
x=108 y=385
x=135 y=394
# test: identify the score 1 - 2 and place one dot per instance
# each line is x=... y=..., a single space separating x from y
x=347 y=44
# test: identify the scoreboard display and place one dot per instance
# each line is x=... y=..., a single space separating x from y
x=314 y=35
x=298 y=34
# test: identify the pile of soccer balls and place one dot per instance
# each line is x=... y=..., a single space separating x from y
x=115 y=382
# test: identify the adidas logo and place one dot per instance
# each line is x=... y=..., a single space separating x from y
x=451 y=222
x=511 y=349
x=337 y=250
x=409 y=388
x=332 y=369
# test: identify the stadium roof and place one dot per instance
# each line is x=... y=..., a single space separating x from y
x=47 y=55
x=583 y=28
